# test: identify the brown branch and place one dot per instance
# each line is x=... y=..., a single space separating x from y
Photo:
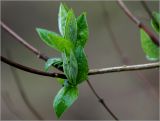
x=91 y=71
x=26 y=44
x=147 y=9
x=101 y=101
x=144 y=4
x=31 y=70
x=124 y=59
x=44 y=57
x=30 y=47
x=124 y=68
x=138 y=22
x=23 y=42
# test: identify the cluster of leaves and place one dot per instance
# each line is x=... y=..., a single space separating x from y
x=71 y=42
x=151 y=49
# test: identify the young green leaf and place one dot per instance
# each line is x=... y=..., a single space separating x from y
x=60 y=81
x=70 y=67
x=64 y=99
x=155 y=23
x=55 y=41
x=71 y=27
x=63 y=82
x=53 y=61
x=83 y=31
x=82 y=65
x=149 y=48
x=63 y=10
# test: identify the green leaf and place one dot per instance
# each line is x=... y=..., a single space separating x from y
x=71 y=27
x=155 y=23
x=82 y=65
x=150 y=49
x=63 y=82
x=83 y=31
x=63 y=10
x=57 y=62
x=55 y=41
x=60 y=81
x=70 y=67
x=64 y=99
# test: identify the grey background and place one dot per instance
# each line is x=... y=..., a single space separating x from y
x=128 y=96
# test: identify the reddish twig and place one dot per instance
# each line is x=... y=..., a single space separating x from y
x=124 y=68
x=144 y=4
x=23 y=42
x=102 y=101
x=147 y=9
x=91 y=71
x=138 y=22
x=125 y=60
x=31 y=70
x=30 y=47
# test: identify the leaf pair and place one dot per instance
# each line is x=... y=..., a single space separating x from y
x=151 y=49
x=74 y=35
x=75 y=30
x=71 y=28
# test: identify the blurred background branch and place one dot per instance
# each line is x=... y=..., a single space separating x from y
x=22 y=92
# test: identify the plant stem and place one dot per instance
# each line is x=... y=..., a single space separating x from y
x=144 y=4
x=91 y=71
x=31 y=70
x=124 y=68
x=101 y=101
x=147 y=9
x=30 y=47
x=23 y=42
x=124 y=59
x=138 y=22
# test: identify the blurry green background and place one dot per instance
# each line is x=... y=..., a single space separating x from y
x=128 y=96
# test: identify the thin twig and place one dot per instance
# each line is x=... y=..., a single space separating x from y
x=31 y=70
x=44 y=57
x=30 y=47
x=26 y=44
x=23 y=42
x=124 y=59
x=147 y=9
x=101 y=101
x=124 y=68
x=91 y=71
x=144 y=4
x=22 y=92
x=138 y=22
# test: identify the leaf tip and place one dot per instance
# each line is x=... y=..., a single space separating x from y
x=63 y=6
x=38 y=30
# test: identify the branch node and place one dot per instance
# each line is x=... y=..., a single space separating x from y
x=38 y=54
x=139 y=24
x=101 y=100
